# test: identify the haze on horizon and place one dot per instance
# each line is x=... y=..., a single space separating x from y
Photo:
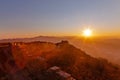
x=28 y=18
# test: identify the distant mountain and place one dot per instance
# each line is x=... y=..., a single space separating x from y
x=56 y=61
x=38 y=38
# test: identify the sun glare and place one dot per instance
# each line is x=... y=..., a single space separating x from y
x=87 y=33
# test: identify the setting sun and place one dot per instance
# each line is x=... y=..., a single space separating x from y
x=87 y=33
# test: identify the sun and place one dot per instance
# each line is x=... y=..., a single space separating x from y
x=87 y=33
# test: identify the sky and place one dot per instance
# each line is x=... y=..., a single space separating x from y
x=28 y=18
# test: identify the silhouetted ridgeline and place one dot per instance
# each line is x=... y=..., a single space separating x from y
x=52 y=61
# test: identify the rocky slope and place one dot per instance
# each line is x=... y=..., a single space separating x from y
x=32 y=61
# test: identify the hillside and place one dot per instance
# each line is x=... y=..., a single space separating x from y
x=56 y=61
x=107 y=48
